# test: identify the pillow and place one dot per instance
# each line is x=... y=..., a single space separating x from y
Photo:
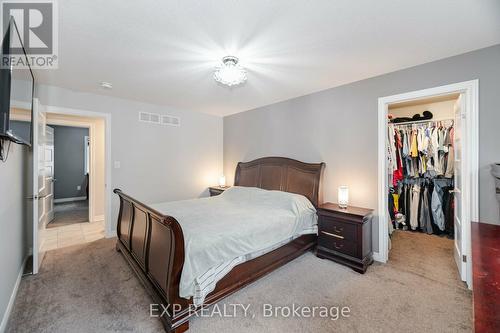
x=297 y=203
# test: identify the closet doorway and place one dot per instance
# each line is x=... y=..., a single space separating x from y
x=428 y=171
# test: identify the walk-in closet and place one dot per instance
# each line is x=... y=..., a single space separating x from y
x=423 y=160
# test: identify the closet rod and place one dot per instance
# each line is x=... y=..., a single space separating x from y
x=420 y=122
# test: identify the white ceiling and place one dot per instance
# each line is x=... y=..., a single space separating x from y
x=163 y=52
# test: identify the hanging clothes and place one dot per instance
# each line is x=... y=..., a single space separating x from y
x=441 y=186
x=448 y=209
x=450 y=163
x=421 y=169
x=425 y=212
x=414 y=146
x=398 y=173
x=415 y=199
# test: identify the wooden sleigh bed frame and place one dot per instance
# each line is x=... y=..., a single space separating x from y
x=153 y=243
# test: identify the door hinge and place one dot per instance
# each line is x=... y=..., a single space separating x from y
x=464 y=258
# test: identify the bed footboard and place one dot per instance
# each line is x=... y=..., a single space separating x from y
x=153 y=244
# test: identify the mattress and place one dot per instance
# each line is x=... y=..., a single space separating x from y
x=240 y=224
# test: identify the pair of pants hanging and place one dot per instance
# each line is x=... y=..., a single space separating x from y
x=415 y=200
x=425 y=213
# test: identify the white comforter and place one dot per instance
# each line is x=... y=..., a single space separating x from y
x=233 y=227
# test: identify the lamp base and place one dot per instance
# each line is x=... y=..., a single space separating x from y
x=341 y=206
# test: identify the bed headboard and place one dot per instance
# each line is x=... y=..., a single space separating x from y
x=283 y=174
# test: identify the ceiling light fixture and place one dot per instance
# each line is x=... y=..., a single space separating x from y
x=230 y=72
x=106 y=85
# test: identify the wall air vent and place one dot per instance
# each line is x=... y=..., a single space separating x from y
x=155 y=118
x=144 y=117
x=170 y=120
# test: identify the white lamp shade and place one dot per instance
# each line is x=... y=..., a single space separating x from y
x=343 y=196
x=222 y=181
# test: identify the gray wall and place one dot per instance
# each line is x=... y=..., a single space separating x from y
x=158 y=163
x=69 y=151
x=13 y=219
x=339 y=126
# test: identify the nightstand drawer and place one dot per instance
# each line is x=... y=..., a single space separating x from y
x=337 y=227
x=333 y=242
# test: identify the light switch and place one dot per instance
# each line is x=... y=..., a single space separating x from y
x=78 y=188
x=117 y=164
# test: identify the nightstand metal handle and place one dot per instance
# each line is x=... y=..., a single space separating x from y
x=333 y=235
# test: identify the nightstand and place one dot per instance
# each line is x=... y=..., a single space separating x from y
x=345 y=235
x=216 y=190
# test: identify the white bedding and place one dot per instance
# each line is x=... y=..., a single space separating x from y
x=238 y=225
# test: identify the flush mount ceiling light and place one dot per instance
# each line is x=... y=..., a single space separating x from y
x=229 y=72
x=106 y=85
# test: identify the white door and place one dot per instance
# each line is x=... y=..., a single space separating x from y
x=460 y=212
x=49 y=174
x=39 y=184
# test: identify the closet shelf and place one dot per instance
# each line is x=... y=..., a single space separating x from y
x=420 y=121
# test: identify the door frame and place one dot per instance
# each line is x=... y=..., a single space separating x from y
x=470 y=90
x=106 y=117
x=91 y=127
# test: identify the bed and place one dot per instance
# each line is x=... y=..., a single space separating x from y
x=162 y=253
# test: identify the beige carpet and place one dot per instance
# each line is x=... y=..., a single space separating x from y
x=90 y=288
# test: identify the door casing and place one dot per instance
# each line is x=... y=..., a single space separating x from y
x=470 y=146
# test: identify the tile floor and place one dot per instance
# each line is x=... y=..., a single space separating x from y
x=72 y=234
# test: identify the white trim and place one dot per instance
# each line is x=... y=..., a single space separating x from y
x=92 y=196
x=378 y=257
x=109 y=190
x=86 y=154
x=471 y=91
x=383 y=246
x=10 y=305
x=98 y=218
x=70 y=199
x=34 y=179
x=107 y=138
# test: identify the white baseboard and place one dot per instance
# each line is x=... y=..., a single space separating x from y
x=110 y=234
x=98 y=218
x=8 y=310
x=70 y=199
x=378 y=257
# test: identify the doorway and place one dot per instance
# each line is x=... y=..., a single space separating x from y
x=460 y=186
x=99 y=208
x=78 y=206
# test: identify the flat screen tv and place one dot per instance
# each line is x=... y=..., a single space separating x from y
x=16 y=89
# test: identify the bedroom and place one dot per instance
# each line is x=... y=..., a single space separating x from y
x=172 y=131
